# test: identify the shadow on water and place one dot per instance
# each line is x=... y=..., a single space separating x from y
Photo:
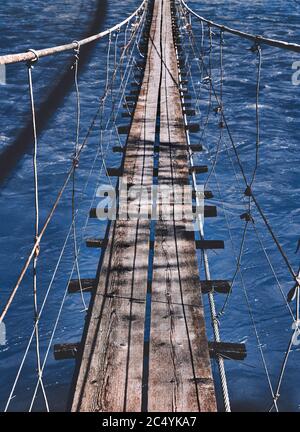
x=14 y=152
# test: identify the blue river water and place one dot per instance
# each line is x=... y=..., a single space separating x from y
x=42 y=24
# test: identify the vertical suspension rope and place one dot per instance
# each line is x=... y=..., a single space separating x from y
x=256 y=48
x=36 y=226
x=218 y=111
x=76 y=163
x=215 y=322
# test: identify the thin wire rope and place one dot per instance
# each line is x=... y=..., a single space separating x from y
x=262 y=245
x=244 y=35
x=76 y=163
x=62 y=252
x=257 y=49
x=21 y=57
x=215 y=323
x=272 y=268
x=275 y=395
x=218 y=111
x=60 y=310
x=63 y=300
x=245 y=292
x=264 y=218
x=259 y=344
x=45 y=226
x=36 y=230
x=284 y=365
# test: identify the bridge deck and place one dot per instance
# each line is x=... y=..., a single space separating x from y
x=120 y=370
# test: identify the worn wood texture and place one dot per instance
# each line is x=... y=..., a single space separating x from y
x=180 y=377
x=110 y=374
x=109 y=377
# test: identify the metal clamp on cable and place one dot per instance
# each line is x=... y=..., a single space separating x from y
x=248 y=191
x=37 y=246
x=256 y=47
x=222 y=31
x=76 y=162
x=247 y=217
x=76 y=49
x=34 y=60
x=76 y=52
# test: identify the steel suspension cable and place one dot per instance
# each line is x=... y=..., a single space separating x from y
x=36 y=229
x=249 y=191
x=238 y=266
x=276 y=395
x=84 y=229
x=76 y=165
x=254 y=38
x=215 y=323
x=28 y=56
x=122 y=88
x=45 y=226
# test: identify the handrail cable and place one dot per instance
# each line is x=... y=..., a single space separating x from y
x=272 y=268
x=36 y=226
x=249 y=191
x=275 y=395
x=65 y=244
x=44 y=228
x=28 y=56
x=56 y=269
x=254 y=38
x=238 y=266
x=257 y=234
x=76 y=164
x=71 y=274
x=200 y=222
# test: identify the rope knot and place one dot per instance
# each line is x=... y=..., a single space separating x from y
x=75 y=162
x=37 y=247
x=76 y=53
x=206 y=80
x=247 y=217
x=34 y=60
x=77 y=48
x=222 y=31
x=256 y=46
x=218 y=109
x=248 y=191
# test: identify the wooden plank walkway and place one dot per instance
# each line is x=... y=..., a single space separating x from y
x=110 y=374
x=180 y=377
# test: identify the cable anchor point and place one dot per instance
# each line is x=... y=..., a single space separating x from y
x=248 y=191
x=75 y=162
x=256 y=46
x=34 y=60
x=37 y=246
x=76 y=53
x=247 y=217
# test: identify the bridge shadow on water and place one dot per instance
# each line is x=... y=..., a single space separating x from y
x=24 y=140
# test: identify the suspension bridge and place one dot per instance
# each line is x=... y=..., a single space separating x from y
x=144 y=345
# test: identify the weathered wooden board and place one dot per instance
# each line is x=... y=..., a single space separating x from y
x=180 y=377
x=110 y=374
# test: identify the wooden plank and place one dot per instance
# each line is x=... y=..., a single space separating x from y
x=228 y=350
x=180 y=377
x=210 y=244
x=110 y=374
x=87 y=285
x=66 y=351
x=96 y=243
x=219 y=286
